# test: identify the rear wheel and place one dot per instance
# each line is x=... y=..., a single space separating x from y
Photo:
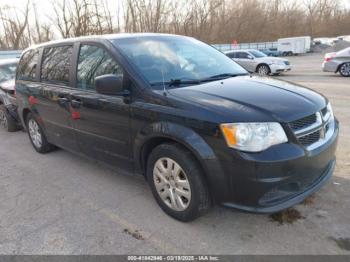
x=263 y=70
x=177 y=182
x=37 y=136
x=6 y=120
x=344 y=69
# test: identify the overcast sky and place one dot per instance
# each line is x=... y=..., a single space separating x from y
x=45 y=5
x=45 y=9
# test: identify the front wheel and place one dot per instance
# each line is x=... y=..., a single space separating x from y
x=37 y=136
x=344 y=70
x=263 y=70
x=177 y=182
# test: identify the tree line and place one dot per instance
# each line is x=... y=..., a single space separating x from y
x=213 y=21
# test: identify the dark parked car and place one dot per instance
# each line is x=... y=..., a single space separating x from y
x=191 y=120
x=8 y=109
x=271 y=52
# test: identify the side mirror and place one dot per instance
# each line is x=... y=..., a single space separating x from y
x=109 y=84
x=250 y=57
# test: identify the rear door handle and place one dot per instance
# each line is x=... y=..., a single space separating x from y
x=76 y=103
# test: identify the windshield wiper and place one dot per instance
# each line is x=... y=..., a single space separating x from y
x=222 y=76
x=177 y=82
x=184 y=81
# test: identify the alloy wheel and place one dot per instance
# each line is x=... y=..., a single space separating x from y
x=3 y=119
x=345 y=69
x=34 y=133
x=263 y=70
x=172 y=184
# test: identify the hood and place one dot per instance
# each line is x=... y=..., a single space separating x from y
x=248 y=98
x=8 y=85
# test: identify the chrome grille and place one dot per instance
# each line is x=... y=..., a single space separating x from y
x=313 y=130
x=311 y=138
x=327 y=127
x=324 y=111
x=303 y=122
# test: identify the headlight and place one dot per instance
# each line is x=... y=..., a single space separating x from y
x=253 y=137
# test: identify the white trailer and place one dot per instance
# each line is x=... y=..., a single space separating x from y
x=294 y=45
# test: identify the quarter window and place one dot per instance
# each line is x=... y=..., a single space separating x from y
x=27 y=66
x=56 y=64
x=94 y=61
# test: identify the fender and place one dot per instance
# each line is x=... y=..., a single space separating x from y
x=217 y=182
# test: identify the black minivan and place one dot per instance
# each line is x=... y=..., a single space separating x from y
x=193 y=122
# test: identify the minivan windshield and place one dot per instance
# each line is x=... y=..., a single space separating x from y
x=257 y=53
x=177 y=61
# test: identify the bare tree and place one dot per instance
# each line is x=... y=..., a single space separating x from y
x=214 y=21
x=14 y=23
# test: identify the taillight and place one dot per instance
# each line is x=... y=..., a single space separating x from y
x=329 y=57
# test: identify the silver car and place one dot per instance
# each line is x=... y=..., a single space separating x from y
x=337 y=62
x=257 y=62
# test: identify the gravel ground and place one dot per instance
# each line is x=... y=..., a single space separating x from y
x=60 y=203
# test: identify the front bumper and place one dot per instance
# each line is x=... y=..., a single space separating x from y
x=279 y=177
x=277 y=68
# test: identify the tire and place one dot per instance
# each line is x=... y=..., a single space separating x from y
x=37 y=136
x=344 y=69
x=6 y=120
x=263 y=70
x=192 y=195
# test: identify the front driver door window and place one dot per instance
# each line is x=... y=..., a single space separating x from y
x=94 y=61
x=102 y=121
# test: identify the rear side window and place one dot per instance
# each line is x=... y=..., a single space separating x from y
x=242 y=55
x=56 y=64
x=94 y=61
x=27 y=66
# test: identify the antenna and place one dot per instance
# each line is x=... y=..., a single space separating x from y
x=164 y=88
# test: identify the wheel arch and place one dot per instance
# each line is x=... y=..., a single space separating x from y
x=162 y=132
x=165 y=132
x=339 y=66
x=261 y=64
